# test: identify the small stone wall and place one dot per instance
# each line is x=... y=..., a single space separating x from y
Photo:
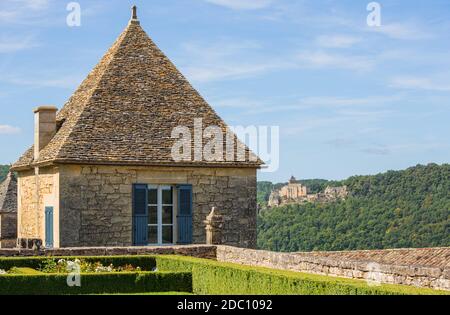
x=8 y=243
x=428 y=276
x=200 y=251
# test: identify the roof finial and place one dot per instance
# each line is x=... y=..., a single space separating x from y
x=134 y=13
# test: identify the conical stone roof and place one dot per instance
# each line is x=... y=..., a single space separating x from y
x=8 y=194
x=125 y=110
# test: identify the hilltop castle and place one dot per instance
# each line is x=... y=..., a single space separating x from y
x=296 y=192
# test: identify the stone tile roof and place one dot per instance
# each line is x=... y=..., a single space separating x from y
x=8 y=194
x=419 y=257
x=125 y=110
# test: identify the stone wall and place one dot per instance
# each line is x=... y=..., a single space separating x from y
x=8 y=225
x=96 y=202
x=425 y=275
x=200 y=251
x=36 y=190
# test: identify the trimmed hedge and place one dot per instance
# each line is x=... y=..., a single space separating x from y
x=98 y=283
x=146 y=263
x=185 y=274
x=212 y=277
x=25 y=271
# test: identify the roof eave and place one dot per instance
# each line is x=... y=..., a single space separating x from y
x=256 y=165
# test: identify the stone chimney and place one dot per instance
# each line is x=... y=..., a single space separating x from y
x=44 y=127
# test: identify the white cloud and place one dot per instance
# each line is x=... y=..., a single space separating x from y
x=337 y=41
x=63 y=82
x=406 y=31
x=321 y=59
x=227 y=60
x=23 y=11
x=8 y=130
x=34 y=4
x=238 y=102
x=227 y=71
x=354 y=108
x=242 y=4
x=10 y=45
x=419 y=83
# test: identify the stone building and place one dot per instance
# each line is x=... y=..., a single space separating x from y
x=8 y=211
x=294 y=192
x=102 y=170
x=336 y=192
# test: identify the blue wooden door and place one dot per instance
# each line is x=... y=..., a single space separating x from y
x=49 y=227
x=140 y=215
x=184 y=217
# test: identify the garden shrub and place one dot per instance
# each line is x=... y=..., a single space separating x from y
x=212 y=277
x=146 y=263
x=24 y=271
x=96 y=283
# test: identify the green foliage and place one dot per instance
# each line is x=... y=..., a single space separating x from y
x=4 y=169
x=62 y=265
x=212 y=277
x=185 y=274
x=96 y=283
x=49 y=264
x=409 y=208
x=27 y=280
x=24 y=271
x=264 y=189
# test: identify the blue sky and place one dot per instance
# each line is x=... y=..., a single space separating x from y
x=349 y=99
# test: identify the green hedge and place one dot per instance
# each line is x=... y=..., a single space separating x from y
x=98 y=283
x=146 y=263
x=212 y=277
x=25 y=271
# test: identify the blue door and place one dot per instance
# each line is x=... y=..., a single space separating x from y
x=49 y=227
x=184 y=217
x=140 y=215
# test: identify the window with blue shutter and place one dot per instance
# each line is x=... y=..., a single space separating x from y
x=184 y=217
x=49 y=227
x=140 y=215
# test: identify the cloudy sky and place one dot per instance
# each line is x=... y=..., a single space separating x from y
x=349 y=99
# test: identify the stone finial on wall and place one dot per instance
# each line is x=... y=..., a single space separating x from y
x=214 y=224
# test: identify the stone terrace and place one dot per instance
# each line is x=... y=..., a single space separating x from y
x=426 y=267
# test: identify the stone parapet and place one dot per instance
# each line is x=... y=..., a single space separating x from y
x=428 y=276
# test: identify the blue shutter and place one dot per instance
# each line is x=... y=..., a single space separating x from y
x=49 y=227
x=140 y=215
x=184 y=217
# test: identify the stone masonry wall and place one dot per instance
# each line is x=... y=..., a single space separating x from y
x=8 y=225
x=429 y=276
x=96 y=202
x=35 y=193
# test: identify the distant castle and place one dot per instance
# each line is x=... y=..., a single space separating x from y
x=296 y=192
